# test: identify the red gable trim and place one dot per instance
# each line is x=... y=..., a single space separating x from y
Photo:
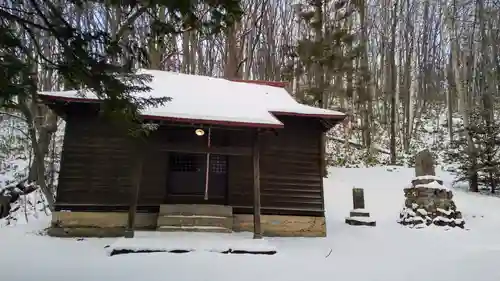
x=262 y=82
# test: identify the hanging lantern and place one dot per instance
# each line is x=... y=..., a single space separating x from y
x=199 y=132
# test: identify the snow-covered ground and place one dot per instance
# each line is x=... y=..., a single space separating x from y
x=386 y=252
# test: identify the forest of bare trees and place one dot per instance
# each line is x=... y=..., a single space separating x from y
x=387 y=63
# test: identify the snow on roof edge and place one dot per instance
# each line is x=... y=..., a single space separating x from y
x=256 y=104
x=203 y=121
x=182 y=119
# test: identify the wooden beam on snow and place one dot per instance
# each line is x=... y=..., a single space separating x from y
x=257 y=230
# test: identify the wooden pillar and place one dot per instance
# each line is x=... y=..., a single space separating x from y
x=135 y=187
x=257 y=230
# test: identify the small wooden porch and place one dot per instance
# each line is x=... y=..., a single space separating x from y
x=203 y=209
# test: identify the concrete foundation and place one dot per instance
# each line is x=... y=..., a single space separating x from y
x=112 y=224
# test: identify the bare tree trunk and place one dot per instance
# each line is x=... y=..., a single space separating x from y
x=450 y=93
x=231 y=68
x=465 y=108
x=39 y=163
x=392 y=82
x=319 y=73
x=406 y=83
x=364 y=85
x=186 y=63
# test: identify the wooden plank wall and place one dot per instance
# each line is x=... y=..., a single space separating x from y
x=291 y=181
x=96 y=166
x=97 y=162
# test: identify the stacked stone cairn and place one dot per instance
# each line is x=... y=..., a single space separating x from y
x=428 y=201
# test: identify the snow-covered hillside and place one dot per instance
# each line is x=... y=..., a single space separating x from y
x=387 y=252
x=431 y=132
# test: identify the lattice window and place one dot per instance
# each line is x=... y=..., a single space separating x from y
x=180 y=162
x=218 y=164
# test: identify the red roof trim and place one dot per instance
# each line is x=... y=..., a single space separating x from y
x=262 y=82
x=173 y=119
x=323 y=116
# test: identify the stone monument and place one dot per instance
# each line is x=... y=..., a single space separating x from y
x=428 y=201
x=359 y=215
x=424 y=164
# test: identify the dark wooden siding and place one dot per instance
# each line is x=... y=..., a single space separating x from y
x=154 y=178
x=291 y=181
x=97 y=165
x=98 y=160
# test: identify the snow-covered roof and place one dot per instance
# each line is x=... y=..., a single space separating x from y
x=214 y=100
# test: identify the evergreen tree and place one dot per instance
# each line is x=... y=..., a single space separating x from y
x=328 y=53
x=87 y=58
x=484 y=171
x=325 y=56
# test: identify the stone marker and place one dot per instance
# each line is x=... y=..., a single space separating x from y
x=424 y=164
x=358 y=198
x=359 y=216
x=359 y=213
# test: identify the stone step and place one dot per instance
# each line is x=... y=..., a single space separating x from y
x=180 y=220
x=359 y=213
x=357 y=221
x=196 y=210
x=195 y=229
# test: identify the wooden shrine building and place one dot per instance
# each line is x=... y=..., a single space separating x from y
x=224 y=156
